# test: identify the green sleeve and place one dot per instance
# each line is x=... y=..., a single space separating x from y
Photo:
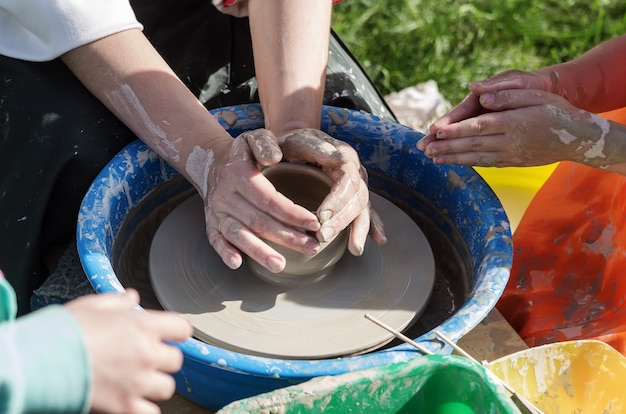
x=44 y=364
x=8 y=301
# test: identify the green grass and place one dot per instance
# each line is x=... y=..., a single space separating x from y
x=402 y=43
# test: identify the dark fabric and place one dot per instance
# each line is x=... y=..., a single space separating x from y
x=55 y=136
x=198 y=41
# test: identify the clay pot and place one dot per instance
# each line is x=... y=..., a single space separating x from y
x=307 y=186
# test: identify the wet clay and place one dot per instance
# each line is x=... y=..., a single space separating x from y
x=307 y=186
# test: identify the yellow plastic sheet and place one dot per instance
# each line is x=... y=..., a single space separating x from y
x=515 y=187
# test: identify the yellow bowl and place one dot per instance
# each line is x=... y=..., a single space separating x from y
x=584 y=376
x=515 y=187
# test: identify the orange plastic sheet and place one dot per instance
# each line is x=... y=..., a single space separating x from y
x=568 y=279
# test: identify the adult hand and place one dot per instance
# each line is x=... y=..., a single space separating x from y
x=131 y=363
x=348 y=202
x=242 y=207
x=525 y=127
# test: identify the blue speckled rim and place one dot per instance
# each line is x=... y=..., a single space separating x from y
x=385 y=147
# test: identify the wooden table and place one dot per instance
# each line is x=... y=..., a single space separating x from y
x=491 y=339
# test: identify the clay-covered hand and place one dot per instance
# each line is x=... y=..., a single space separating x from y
x=242 y=207
x=471 y=107
x=348 y=202
x=526 y=127
x=131 y=362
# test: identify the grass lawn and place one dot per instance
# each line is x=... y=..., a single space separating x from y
x=401 y=43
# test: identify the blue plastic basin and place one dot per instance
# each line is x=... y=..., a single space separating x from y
x=456 y=199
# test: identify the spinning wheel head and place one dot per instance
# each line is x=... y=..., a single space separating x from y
x=237 y=311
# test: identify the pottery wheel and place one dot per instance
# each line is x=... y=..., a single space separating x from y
x=236 y=310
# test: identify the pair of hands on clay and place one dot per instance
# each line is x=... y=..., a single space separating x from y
x=512 y=119
x=242 y=206
x=131 y=362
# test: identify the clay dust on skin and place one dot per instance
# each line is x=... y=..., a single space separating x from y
x=564 y=136
x=198 y=166
x=597 y=150
x=126 y=101
x=198 y=162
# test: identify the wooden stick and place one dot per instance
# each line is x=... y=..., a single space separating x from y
x=399 y=335
x=455 y=346
x=520 y=401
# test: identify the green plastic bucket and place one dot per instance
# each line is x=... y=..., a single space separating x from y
x=434 y=384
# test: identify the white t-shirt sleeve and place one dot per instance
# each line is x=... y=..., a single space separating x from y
x=42 y=30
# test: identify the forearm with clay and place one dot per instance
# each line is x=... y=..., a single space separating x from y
x=122 y=70
x=126 y=73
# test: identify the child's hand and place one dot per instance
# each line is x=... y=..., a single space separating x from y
x=130 y=360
